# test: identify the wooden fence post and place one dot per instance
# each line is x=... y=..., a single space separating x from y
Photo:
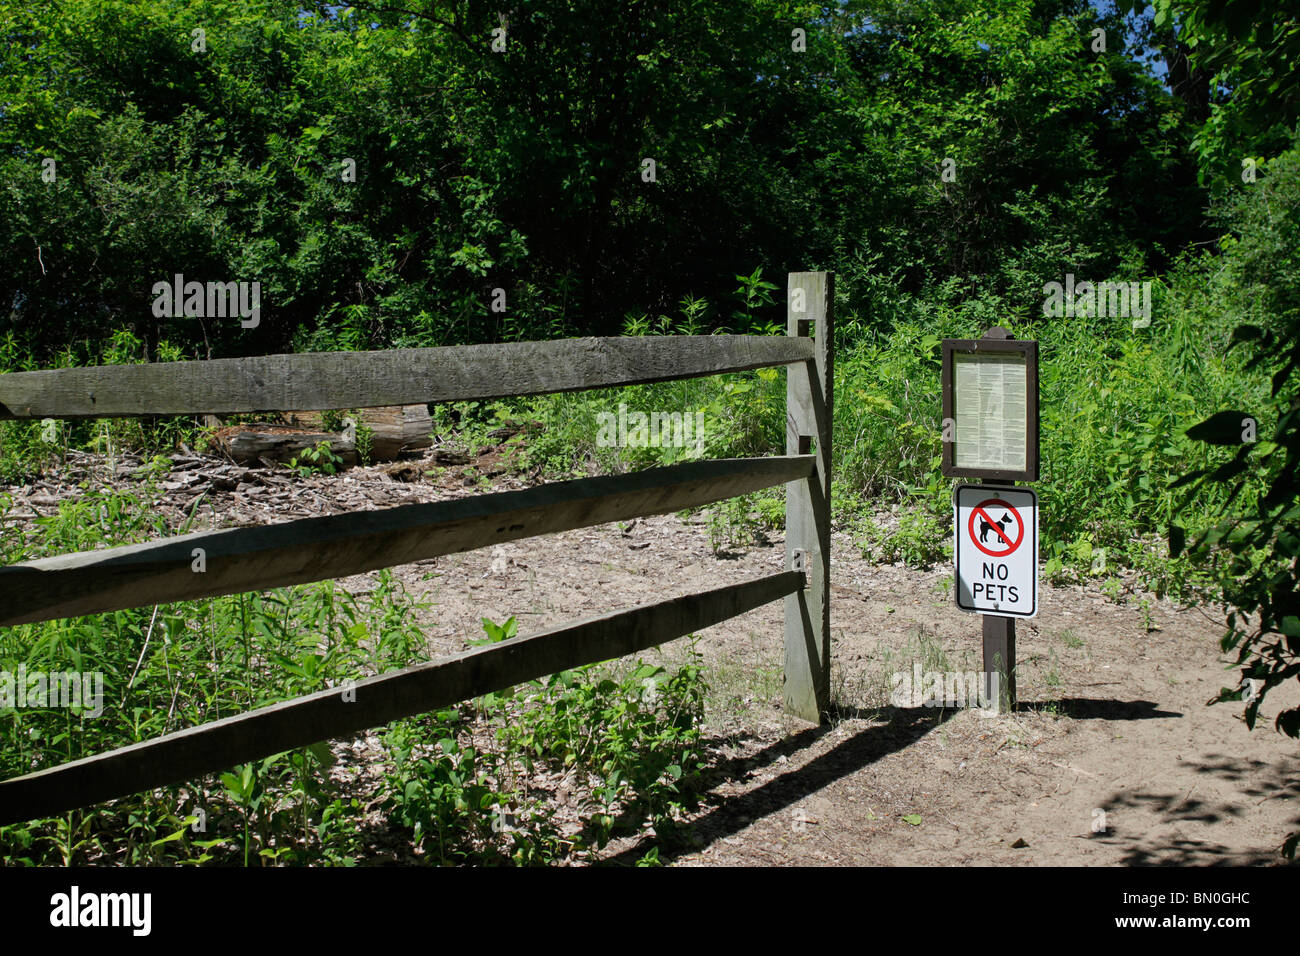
x=808 y=399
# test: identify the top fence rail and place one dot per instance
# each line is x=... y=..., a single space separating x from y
x=317 y=381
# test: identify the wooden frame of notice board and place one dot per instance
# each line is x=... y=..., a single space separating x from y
x=997 y=343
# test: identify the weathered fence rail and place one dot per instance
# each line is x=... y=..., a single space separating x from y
x=246 y=559
x=313 y=549
x=316 y=381
x=375 y=701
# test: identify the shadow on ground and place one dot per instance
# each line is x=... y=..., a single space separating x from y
x=1088 y=708
x=893 y=730
x=1278 y=782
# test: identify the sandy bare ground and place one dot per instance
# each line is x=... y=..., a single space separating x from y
x=1114 y=757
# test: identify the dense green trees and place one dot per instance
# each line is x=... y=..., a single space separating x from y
x=225 y=155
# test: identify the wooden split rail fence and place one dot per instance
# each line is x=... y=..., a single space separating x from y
x=314 y=549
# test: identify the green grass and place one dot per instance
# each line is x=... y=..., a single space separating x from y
x=1114 y=402
x=443 y=793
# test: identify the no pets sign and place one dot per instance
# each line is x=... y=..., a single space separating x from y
x=995 y=548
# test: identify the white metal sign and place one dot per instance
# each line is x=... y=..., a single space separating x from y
x=995 y=548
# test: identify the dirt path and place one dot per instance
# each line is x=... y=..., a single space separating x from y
x=1113 y=733
x=1114 y=757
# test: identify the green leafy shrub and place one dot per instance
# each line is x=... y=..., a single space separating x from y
x=318 y=459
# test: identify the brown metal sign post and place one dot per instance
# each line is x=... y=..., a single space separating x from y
x=1001 y=373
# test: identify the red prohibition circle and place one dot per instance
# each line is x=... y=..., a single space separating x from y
x=1020 y=527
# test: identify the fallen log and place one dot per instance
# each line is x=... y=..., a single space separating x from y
x=395 y=429
x=250 y=444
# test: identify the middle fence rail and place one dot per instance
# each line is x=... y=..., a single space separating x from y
x=238 y=560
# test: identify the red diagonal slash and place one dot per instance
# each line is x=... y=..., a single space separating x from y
x=993 y=524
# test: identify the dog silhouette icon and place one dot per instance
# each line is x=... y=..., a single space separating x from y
x=985 y=527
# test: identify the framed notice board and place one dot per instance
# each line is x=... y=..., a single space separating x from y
x=990 y=408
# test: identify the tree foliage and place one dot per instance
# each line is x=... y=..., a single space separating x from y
x=523 y=170
x=1255 y=57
